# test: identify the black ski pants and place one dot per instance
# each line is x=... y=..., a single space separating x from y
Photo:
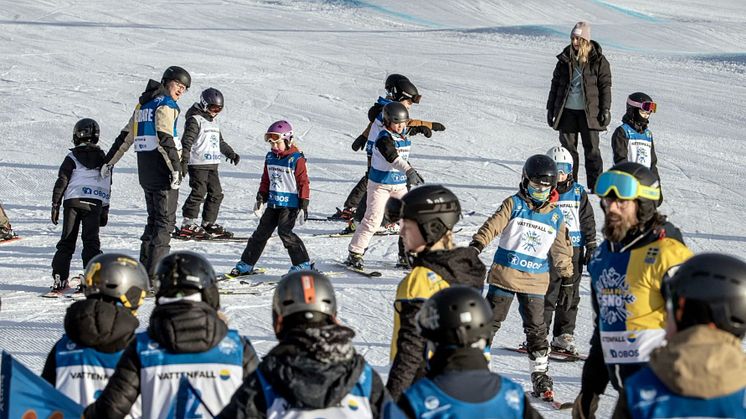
x=72 y=219
x=357 y=194
x=283 y=219
x=564 y=320
x=571 y=123
x=205 y=183
x=156 y=239
x=531 y=309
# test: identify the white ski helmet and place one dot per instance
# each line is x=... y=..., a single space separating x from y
x=562 y=158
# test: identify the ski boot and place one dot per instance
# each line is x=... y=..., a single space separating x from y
x=351 y=227
x=403 y=262
x=305 y=266
x=216 y=231
x=543 y=386
x=242 y=268
x=345 y=214
x=191 y=231
x=7 y=233
x=389 y=229
x=564 y=344
x=355 y=261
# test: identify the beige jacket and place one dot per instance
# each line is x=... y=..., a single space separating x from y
x=512 y=279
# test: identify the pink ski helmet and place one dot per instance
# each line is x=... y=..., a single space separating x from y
x=280 y=130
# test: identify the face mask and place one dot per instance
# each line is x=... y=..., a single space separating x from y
x=540 y=194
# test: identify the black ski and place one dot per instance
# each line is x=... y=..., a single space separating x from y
x=553 y=354
x=228 y=276
x=10 y=240
x=549 y=399
x=363 y=272
x=209 y=238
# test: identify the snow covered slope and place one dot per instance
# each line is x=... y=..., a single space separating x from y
x=483 y=67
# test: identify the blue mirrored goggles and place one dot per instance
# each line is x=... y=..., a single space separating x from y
x=564 y=168
x=625 y=186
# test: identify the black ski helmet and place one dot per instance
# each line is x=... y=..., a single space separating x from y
x=116 y=277
x=633 y=111
x=307 y=294
x=713 y=289
x=646 y=208
x=434 y=208
x=394 y=113
x=184 y=273
x=86 y=131
x=391 y=80
x=540 y=169
x=457 y=315
x=211 y=97
x=402 y=89
x=176 y=73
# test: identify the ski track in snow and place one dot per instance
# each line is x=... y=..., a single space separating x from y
x=483 y=68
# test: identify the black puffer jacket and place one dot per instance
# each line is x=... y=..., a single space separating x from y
x=91 y=157
x=459 y=266
x=95 y=324
x=180 y=327
x=596 y=85
x=191 y=134
x=464 y=374
x=311 y=368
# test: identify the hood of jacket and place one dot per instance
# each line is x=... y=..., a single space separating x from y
x=701 y=362
x=186 y=326
x=596 y=51
x=100 y=325
x=456 y=266
x=89 y=155
x=313 y=368
x=639 y=125
x=196 y=109
x=152 y=91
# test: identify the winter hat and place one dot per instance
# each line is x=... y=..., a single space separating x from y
x=582 y=30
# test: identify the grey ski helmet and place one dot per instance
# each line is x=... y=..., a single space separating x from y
x=184 y=273
x=307 y=292
x=86 y=131
x=177 y=73
x=394 y=113
x=457 y=315
x=118 y=277
x=434 y=208
x=712 y=288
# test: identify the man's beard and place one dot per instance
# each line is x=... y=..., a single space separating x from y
x=616 y=228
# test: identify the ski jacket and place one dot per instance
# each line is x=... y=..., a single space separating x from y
x=152 y=129
x=79 y=183
x=285 y=179
x=631 y=142
x=312 y=372
x=459 y=384
x=375 y=126
x=389 y=162
x=626 y=297
x=431 y=272
x=81 y=362
x=186 y=337
x=528 y=235
x=596 y=86
x=701 y=372
x=202 y=143
x=576 y=208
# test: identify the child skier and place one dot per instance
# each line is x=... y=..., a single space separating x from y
x=633 y=141
x=6 y=230
x=400 y=89
x=84 y=196
x=459 y=383
x=531 y=228
x=284 y=191
x=98 y=329
x=388 y=177
x=581 y=225
x=428 y=215
x=202 y=148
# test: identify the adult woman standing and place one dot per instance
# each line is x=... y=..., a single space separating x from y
x=580 y=99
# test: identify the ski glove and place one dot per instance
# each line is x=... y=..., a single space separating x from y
x=55 y=213
x=590 y=249
x=420 y=129
x=175 y=179
x=414 y=178
x=566 y=294
x=437 y=126
x=550 y=118
x=233 y=159
x=106 y=171
x=259 y=205
x=604 y=117
x=104 y=219
x=359 y=142
x=303 y=211
x=477 y=246
x=184 y=169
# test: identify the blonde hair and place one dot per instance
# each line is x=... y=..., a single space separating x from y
x=447 y=240
x=584 y=50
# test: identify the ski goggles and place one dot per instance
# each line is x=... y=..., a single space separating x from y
x=645 y=106
x=214 y=108
x=564 y=168
x=274 y=137
x=625 y=186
